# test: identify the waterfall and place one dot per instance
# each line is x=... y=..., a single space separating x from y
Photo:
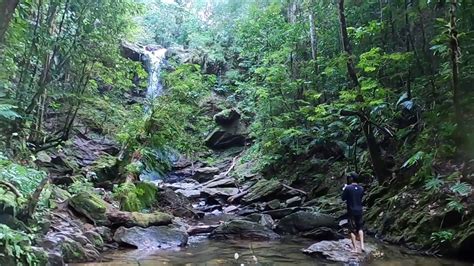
x=154 y=59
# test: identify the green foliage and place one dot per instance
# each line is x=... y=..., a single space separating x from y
x=461 y=188
x=455 y=204
x=135 y=197
x=24 y=178
x=174 y=121
x=80 y=185
x=15 y=247
x=441 y=237
x=434 y=184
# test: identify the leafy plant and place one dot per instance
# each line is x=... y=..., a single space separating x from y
x=441 y=237
x=135 y=197
x=455 y=204
x=434 y=184
x=80 y=185
x=15 y=246
x=461 y=188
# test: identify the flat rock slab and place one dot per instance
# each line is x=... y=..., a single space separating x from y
x=190 y=193
x=153 y=237
x=340 y=251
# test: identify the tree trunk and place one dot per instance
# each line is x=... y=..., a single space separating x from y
x=347 y=46
x=7 y=9
x=455 y=56
x=375 y=153
x=407 y=47
x=314 y=41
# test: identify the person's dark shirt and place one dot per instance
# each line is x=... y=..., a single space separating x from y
x=352 y=195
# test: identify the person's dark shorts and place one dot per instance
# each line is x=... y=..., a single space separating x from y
x=356 y=222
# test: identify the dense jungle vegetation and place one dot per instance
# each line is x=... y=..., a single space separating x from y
x=323 y=87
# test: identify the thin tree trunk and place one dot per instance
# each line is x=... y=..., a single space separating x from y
x=347 y=46
x=455 y=56
x=407 y=47
x=314 y=41
x=7 y=9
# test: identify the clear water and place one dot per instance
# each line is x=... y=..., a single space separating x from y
x=287 y=251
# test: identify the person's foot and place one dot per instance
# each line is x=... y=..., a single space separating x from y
x=354 y=250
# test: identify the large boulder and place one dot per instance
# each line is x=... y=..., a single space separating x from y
x=303 y=221
x=91 y=206
x=242 y=229
x=175 y=203
x=223 y=138
x=262 y=190
x=340 y=251
x=131 y=51
x=130 y=219
x=263 y=219
x=152 y=237
x=227 y=117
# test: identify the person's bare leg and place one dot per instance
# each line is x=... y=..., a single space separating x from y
x=353 y=239
x=361 y=237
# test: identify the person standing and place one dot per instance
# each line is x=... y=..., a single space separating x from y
x=352 y=194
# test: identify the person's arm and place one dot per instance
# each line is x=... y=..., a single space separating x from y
x=344 y=194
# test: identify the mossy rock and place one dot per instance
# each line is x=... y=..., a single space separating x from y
x=72 y=251
x=130 y=219
x=141 y=197
x=106 y=168
x=227 y=117
x=262 y=189
x=91 y=206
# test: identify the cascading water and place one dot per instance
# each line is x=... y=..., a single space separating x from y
x=154 y=59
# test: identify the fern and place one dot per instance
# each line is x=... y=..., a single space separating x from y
x=461 y=188
x=419 y=156
x=434 y=184
x=455 y=204
x=7 y=112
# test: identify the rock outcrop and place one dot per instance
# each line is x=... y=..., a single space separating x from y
x=242 y=229
x=304 y=221
x=153 y=237
x=340 y=251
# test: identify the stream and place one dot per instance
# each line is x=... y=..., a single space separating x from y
x=287 y=251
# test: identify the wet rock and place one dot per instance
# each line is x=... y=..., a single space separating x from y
x=323 y=233
x=340 y=251
x=227 y=117
x=242 y=229
x=205 y=173
x=274 y=204
x=221 y=191
x=73 y=251
x=130 y=219
x=91 y=206
x=151 y=237
x=190 y=193
x=220 y=182
x=303 y=221
x=280 y=213
x=262 y=189
x=105 y=233
x=41 y=255
x=175 y=203
x=263 y=219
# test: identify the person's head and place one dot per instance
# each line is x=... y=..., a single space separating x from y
x=352 y=178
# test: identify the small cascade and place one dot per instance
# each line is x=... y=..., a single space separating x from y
x=154 y=59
